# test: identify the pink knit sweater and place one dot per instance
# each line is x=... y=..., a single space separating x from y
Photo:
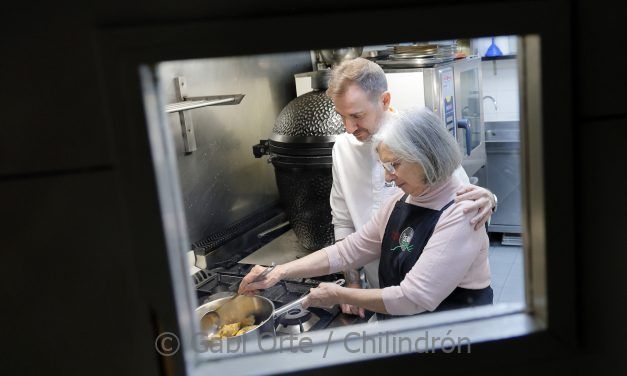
x=455 y=255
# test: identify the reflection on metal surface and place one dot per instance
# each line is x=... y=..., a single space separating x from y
x=281 y=250
x=220 y=182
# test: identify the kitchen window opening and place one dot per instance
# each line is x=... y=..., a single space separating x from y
x=243 y=146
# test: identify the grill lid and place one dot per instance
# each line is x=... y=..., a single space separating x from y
x=309 y=118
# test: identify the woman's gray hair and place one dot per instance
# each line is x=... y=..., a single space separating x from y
x=418 y=135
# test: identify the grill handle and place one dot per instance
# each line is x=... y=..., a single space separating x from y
x=261 y=148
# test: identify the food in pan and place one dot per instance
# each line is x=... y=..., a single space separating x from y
x=248 y=321
x=229 y=330
x=246 y=329
x=235 y=329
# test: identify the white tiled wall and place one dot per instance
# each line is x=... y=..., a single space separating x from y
x=502 y=84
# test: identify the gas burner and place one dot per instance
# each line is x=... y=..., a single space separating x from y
x=297 y=320
x=236 y=269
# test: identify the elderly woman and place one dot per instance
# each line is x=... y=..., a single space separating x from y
x=431 y=258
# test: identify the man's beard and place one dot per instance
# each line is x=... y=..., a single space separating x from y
x=362 y=135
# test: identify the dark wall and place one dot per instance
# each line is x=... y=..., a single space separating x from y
x=73 y=300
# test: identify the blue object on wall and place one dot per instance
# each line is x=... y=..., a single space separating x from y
x=493 y=50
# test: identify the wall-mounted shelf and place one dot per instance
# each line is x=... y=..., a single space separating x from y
x=191 y=103
x=186 y=103
x=494 y=59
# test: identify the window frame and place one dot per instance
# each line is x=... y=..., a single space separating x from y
x=150 y=185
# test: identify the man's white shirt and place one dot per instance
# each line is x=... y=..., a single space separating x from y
x=359 y=189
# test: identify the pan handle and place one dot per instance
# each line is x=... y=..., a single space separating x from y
x=278 y=312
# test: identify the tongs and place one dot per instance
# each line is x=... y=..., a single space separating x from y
x=210 y=321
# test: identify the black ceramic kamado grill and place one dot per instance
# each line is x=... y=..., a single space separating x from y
x=300 y=149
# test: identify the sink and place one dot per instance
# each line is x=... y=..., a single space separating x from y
x=505 y=131
x=509 y=135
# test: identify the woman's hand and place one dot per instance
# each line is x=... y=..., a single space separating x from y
x=325 y=295
x=352 y=309
x=482 y=205
x=248 y=287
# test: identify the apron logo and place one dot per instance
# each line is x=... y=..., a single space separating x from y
x=405 y=240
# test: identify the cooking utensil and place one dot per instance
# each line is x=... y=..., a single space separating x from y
x=263 y=274
x=336 y=56
x=239 y=309
x=413 y=63
x=212 y=319
x=299 y=301
x=258 y=306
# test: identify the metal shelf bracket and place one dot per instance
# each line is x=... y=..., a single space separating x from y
x=185 y=103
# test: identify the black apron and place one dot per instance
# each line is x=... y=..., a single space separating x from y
x=407 y=232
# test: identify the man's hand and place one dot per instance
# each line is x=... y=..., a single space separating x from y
x=482 y=205
x=351 y=309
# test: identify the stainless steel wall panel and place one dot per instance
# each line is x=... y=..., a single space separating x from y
x=221 y=181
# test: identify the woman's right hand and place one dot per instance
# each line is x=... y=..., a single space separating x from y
x=248 y=287
x=351 y=309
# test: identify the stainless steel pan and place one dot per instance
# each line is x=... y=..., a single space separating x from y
x=243 y=306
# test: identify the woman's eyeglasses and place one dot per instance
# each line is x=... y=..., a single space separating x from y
x=390 y=166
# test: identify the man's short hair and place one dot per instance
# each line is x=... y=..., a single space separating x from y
x=367 y=75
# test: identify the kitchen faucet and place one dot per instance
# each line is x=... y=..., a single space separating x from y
x=493 y=101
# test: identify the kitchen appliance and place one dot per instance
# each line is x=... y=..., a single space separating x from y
x=300 y=149
x=419 y=56
x=332 y=57
x=469 y=110
x=452 y=89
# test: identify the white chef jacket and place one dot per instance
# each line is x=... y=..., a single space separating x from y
x=359 y=189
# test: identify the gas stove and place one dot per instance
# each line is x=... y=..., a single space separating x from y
x=224 y=281
x=227 y=257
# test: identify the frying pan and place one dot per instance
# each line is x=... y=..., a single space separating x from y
x=242 y=307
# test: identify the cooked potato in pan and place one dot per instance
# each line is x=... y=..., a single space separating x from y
x=236 y=328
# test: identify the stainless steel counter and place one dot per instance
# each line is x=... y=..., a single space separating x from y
x=502 y=131
x=504 y=175
x=283 y=249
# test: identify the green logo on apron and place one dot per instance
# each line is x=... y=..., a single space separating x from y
x=405 y=240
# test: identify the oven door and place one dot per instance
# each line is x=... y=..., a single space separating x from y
x=469 y=110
